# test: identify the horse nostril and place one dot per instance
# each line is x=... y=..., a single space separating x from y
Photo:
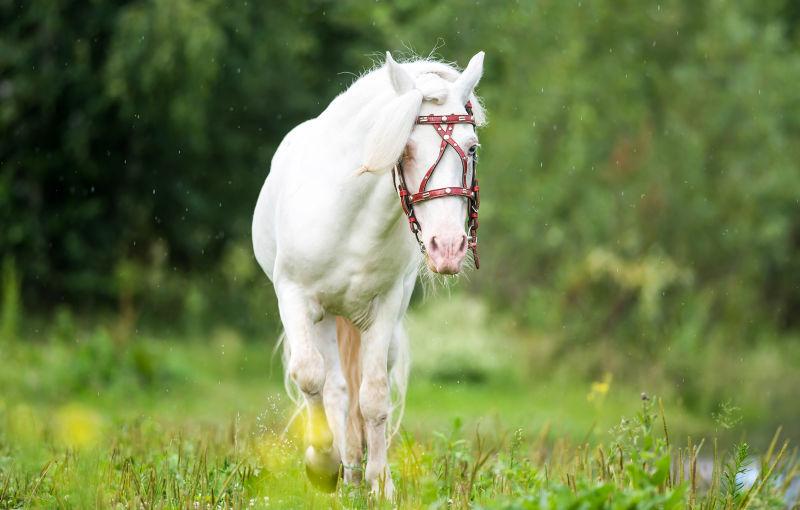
x=463 y=245
x=433 y=243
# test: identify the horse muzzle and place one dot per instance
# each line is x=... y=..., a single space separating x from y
x=445 y=253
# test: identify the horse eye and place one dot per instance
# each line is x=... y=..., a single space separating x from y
x=473 y=150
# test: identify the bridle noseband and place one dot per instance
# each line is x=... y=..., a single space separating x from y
x=444 y=125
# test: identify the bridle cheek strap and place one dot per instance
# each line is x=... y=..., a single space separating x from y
x=444 y=124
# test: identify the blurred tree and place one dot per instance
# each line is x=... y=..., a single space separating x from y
x=640 y=175
x=130 y=123
x=663 y=135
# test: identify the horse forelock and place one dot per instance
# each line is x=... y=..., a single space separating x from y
x=425 y=72
x=431 y=77
x=433 y=87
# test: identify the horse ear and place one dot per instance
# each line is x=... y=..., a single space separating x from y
x=402 y=82
x=466 y=83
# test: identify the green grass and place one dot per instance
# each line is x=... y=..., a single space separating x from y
x=89 y=419
x=75 y=456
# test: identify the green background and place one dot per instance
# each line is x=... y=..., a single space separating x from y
x=640 y=193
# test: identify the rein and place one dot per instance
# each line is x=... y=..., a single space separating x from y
x=444 y=124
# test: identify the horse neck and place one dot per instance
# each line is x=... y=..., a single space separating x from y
x=369 y=199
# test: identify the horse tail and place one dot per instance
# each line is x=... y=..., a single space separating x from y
x=292 y=391
x=398 y=377
x=349 y=339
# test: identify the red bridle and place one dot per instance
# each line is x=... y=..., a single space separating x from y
x=444 y=125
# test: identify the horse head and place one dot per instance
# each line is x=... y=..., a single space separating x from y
x=427 y=135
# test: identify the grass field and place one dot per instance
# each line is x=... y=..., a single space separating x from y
x=87 y=421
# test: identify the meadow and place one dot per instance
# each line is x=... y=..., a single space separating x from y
x=88 y=422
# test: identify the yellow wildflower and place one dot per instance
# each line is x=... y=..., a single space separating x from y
x=599 y=389
x=77 y=426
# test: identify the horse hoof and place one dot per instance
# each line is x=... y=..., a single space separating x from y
x=352 y=476
x=383 y=490
x=322 y=470
x=381 y=485
x=322 y=480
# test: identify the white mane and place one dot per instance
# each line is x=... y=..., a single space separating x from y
x=371 y=105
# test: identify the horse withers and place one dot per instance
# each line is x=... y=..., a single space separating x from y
x=330 y=234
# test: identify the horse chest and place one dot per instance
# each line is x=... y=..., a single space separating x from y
x=351 y=290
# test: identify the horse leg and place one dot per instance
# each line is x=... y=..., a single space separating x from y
x=399 y=364
x=311 y=340
x=375 y=408
x=374 y=397
x=349 y=351
x=352 y=449
x=334 y=393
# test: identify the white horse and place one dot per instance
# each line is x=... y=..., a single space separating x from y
x=330 y=234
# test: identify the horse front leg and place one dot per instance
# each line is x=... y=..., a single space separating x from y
x=374 y=397
x=312 y=351
x=375 y=403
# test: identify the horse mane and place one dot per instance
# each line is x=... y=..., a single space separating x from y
x=372 y=106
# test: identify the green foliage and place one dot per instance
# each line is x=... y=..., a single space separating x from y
x=732 y=473
x=640 y=167
x=640 y=171
x=138 y=126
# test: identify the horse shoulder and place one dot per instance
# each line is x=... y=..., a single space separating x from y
x=265 y=214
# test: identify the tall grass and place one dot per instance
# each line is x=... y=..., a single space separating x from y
x=87 y=421
x=78 y=461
